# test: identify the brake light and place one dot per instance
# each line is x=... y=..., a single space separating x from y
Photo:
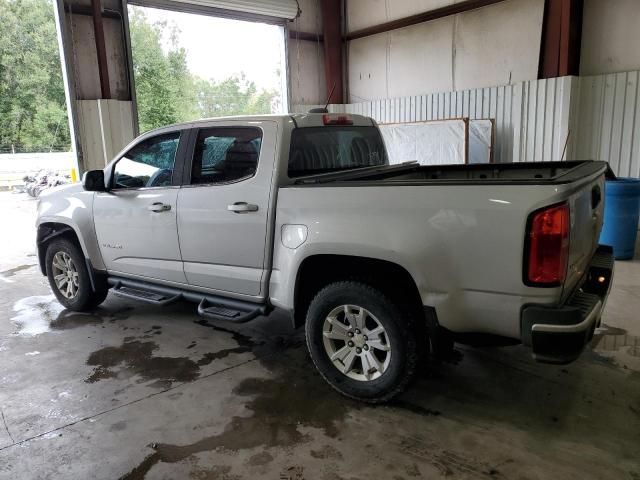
x=329 y=119
x=548 y=246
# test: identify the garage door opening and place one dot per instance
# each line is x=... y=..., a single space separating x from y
x=189 y=66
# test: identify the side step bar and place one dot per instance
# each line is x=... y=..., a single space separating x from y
x=145 y=295
x=209 y=306
x=218 y=311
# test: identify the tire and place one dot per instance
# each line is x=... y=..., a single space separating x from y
x=326 y=337
x=80 y=297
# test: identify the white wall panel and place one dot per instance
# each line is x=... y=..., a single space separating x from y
x=306 y=58
x=428 y=68
x=306 y=72
x=366 y=13
x=610 y=36
x=608 y=121
x=310 y=19
x=493 y=45
x=497 y=45
x=106 y=127
x=367 y=67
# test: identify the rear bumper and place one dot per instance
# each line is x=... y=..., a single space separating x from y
x=559 y=333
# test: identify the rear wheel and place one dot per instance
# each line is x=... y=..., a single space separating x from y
x=69 y=278
x=362 y=342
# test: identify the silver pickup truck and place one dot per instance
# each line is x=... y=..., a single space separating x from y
x=382 y=264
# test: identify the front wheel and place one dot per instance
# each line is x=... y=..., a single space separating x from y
x=361 y=342
x=69 y=278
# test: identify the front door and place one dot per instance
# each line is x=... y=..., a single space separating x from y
x=224 y=209
x=136 y=220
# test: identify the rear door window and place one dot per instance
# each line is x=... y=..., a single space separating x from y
x=325 y=149
x=224 y=155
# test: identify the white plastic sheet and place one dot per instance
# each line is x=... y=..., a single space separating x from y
x=481 y=141
x=440 y=142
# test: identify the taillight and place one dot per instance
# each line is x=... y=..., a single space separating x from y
x=333 y=119
x=548 y=246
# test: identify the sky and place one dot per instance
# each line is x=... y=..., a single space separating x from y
x=218 y=47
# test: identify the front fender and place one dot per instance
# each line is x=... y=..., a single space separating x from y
x=73 y=208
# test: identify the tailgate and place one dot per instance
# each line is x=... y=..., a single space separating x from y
x=587 y=211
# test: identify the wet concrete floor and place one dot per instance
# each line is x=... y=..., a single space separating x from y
x=135 y=391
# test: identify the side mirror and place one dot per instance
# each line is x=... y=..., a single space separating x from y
x=93 y=181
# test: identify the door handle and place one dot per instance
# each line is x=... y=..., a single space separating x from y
x=159 y=207
x=242 y=207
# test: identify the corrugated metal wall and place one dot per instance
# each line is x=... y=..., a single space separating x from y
x=529 y=115
x=607 y=120
x=597 y=117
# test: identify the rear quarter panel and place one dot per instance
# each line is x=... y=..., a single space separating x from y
x=462 y=245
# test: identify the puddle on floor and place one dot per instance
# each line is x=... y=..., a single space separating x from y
x=12 y=271
x=134 y=357
x=5 y=274
x=41 y=314
x=279 y=405
x=35 y=314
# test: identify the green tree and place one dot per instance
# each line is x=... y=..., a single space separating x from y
x=163 y=82
x=233 y=96
x=33 y=112
x=167 y=92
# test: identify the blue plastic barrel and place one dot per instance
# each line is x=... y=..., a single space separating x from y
x=621 y=210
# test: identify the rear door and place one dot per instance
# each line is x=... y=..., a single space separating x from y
x=224 y=203
x=136 y=220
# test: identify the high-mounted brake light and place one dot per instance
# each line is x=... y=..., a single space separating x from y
x=329 y=119
x=548 y=246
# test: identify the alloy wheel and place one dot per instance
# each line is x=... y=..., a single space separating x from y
x=356 y=342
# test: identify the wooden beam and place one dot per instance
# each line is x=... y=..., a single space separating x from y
x=87 y=11
x=332 y=33
x=571 y=38
x=434 y=14
x=561 y=38
x=98 y=30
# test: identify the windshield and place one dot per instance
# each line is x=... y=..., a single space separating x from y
x=317 y=150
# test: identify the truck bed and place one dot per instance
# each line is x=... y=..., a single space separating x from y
x=541 y=173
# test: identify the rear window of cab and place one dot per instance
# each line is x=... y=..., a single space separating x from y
x=316 y=150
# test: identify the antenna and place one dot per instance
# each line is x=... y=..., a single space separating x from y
x=330 y=95
x=324 y=109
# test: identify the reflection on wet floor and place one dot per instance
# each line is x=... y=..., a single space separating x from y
x=611 y=342
x=616 y=345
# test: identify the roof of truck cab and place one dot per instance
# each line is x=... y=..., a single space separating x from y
x=300 y=119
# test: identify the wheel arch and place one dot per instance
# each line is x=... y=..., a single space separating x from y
x=48 y=231
x=317 y=271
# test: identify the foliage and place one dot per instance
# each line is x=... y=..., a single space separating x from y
x=168 y=93
x=32 y=100
x=164 y=85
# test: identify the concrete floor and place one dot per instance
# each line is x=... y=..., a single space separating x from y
x=135 y=391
